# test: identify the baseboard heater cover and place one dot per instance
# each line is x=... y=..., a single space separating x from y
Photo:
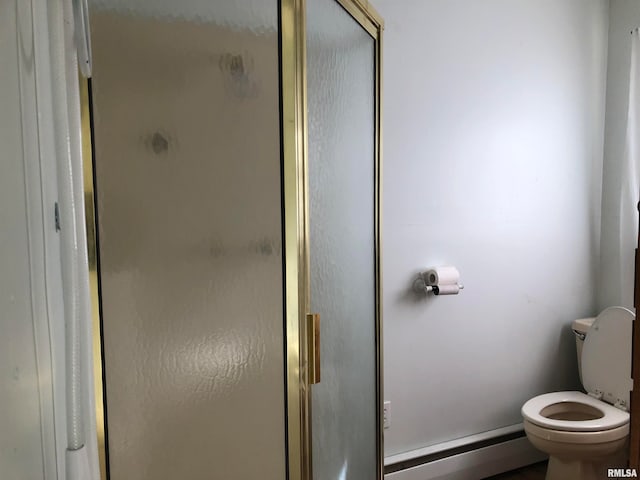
x=472 y=461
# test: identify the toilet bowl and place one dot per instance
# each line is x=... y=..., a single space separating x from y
x=585 y=434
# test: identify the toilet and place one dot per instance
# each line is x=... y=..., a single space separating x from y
x=586 y=433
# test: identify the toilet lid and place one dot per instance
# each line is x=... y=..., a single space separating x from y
x=606 y=356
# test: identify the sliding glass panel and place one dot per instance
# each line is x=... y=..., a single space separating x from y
x=340 y=63
x=187 y=152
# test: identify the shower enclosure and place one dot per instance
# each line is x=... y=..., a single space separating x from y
x=236 y=155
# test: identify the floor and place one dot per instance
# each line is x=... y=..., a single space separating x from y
x=532 y=472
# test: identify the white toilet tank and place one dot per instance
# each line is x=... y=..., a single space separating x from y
x=580 y=328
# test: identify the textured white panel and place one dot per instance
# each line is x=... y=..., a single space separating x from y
x=341 y=183
x=188 y=182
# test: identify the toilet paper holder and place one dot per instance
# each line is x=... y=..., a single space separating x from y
x=425 y=284
x=421 y=286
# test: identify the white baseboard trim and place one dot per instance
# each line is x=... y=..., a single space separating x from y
x=476 y=464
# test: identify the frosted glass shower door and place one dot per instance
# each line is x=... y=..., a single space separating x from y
x=341 y=75
x=187 y=163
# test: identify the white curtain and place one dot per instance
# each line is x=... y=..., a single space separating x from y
x=81 y=455
x=630 y=181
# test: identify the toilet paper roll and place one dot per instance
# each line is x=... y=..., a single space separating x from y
x=446 y=290
x=447 y=275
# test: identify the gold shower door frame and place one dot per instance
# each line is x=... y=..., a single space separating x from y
x=296 y=234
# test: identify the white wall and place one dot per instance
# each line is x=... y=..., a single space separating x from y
x=30 y=438
x=493 y=140
x=21 y=448
x=616 y=265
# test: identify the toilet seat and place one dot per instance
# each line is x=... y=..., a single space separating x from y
x=612 y=417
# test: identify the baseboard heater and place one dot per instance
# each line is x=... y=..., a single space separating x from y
x=475 y=456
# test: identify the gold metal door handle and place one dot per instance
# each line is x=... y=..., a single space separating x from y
x=313 y=347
